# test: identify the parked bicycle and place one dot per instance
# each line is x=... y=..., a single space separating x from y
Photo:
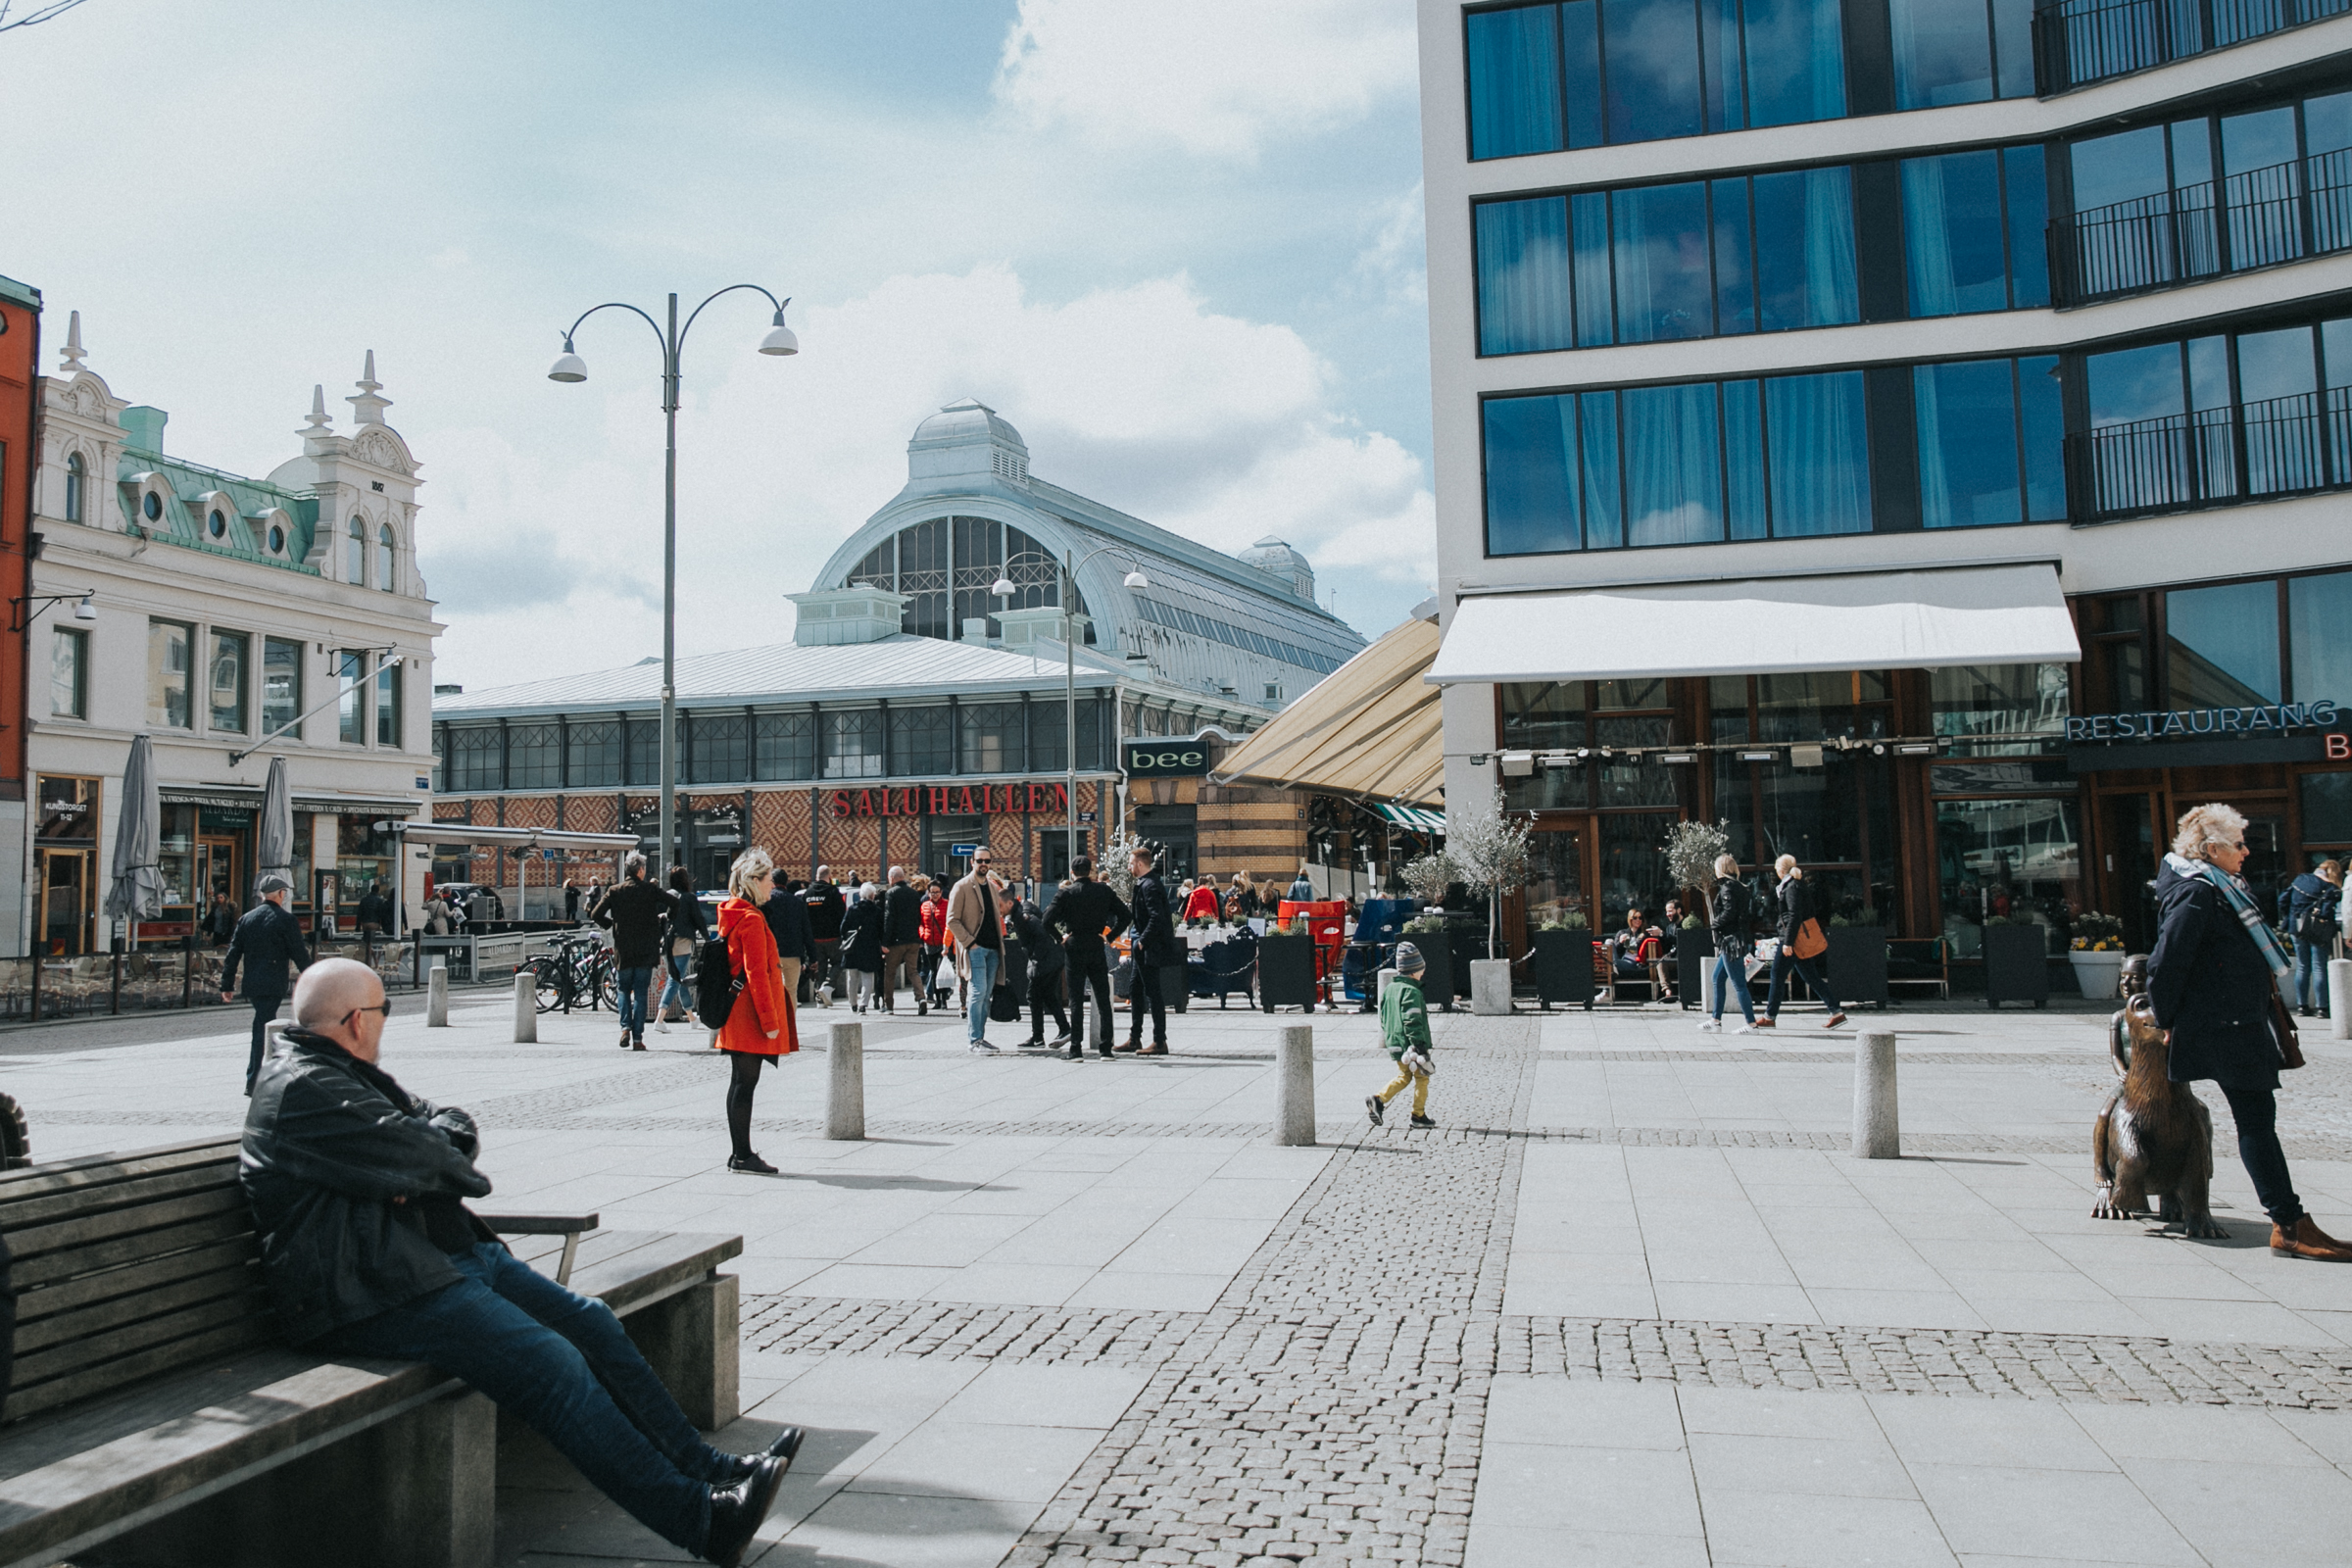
x=579 y=973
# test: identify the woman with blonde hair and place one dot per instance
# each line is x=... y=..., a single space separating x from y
x=1796 y=907
x=759 y=1024
x=1730 y=915
x=2213 y=983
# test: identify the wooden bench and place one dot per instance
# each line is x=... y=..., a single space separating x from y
x=154 y=1412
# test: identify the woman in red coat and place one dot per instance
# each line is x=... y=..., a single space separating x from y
x=759 y=1025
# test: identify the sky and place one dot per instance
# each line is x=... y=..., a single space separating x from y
x=1178 y=246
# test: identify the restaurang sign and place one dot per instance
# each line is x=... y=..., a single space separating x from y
x=2273 y=720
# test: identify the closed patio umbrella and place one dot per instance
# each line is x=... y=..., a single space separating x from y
x=137 y=891
x=276 y=848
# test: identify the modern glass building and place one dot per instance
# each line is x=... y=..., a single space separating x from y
x=1910 y=432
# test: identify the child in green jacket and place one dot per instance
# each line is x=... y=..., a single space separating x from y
x=1404 y=1031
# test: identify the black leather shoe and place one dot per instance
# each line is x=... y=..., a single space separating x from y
x=736 y=1511
x=750 y=1164
x=741 y=1467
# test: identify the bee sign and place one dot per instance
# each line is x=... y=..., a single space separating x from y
x=1165 y=759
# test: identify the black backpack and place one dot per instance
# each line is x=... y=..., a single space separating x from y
x=715 y=985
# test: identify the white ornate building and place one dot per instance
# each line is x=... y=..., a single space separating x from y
x=232 y=620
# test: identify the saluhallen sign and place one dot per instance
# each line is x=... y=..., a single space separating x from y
x=2279 y=719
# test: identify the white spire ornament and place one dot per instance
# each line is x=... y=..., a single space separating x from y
x=72 y=358
x=367 y=408
x=317 y=423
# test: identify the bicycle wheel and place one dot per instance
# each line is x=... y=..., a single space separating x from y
x=547 y=982
x=608 y=982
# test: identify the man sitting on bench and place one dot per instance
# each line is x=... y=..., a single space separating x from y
x=356 y=1190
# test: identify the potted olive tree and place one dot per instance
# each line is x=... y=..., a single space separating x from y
x=1428 y=879
x=1691 y=851
x=1562 y=965
x=2097 y=954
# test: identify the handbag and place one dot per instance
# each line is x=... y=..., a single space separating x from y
x=2282 y=1029
x=681 y=946
x=1810 y=943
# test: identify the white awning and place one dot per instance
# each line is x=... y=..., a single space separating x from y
x=514 y=838
x=1923 y=619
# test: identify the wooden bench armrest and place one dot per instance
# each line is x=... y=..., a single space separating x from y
x=568 y=1226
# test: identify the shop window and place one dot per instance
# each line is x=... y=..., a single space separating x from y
x=68 y=672
x=2001 y=700
x=363 y=858
x=390 y=681
x=170 y=645
x=176 y=855
x=1992 y=438
x=783 y=746
x=232 y=653
x=282 y=685
x=1632 y=865
x=592 y=758
x=2319 y=635
x=2328 y=810
x=992 y=741
x=67 y=811
x=1838 y=819
x=2221 y=645
x=1545 y=716
x=1636 y=781
x=853 y=743
x=534 y=757
x=350 y=688
x=2017 y=858
x=919 y=742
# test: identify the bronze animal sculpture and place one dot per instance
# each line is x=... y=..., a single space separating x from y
x=2153 y=1137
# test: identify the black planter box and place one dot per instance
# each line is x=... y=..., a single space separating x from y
x=1691 y=950
x=1857 y=959
x=1436 y=950
x=1285 y=971
x=1562 y=966
x=2017 y=967
x=1466 y=937
x=1175 y=984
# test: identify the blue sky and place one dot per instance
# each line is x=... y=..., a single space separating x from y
x=1178 y=246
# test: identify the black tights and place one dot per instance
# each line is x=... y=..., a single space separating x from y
x=743 y=1082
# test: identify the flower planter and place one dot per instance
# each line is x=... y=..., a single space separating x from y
x=1857 y=959
x=1437 y=952
x=2017 y=966
x=1691 y=950
x=1285 y=971
x=1562 y=966
x=2098 y=974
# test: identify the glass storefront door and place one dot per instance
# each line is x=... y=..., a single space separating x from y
x=2268 y=867
x=1632 y=865
x=1557 y=877
x=2127 y=865
x=68 y=903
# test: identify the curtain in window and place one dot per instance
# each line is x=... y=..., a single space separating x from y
x=1725 y=86
x=1530 y=475
x=1523 y=295
x=1805 y=249
x=1743 y=459
x=1796 y=61
x=1952 y=234
x=1664 y=290
x=1514 y=81
x=1673 y=465
x=1942 y=52
x=1817 y=436
x=1603 y=482
x=1968 y=463
x=1652 y=68
x=1596 y=298
x=1735 y=281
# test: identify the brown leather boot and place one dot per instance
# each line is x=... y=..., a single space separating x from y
x=2309 y=1241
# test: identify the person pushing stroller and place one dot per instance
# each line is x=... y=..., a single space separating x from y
x=1404 y=1033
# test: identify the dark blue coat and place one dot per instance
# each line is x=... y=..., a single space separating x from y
x=1155 y=920
x=268 y=940
x=788 y=919
x=2308 y=892
x=2211 y=987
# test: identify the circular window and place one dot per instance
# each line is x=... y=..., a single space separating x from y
x=278 y=541
x=217 y=523
x=152 y=506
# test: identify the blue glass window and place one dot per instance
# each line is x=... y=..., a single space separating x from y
x=1673 y=465
x=2319 y=654
x=1961 y=51
x=1532 y=478
x=1663 y=285
x=1990 y=442
x=1514 y=81
x=2221 y=645
x=1972 y=231
x=1649 y=60
x=1523 y=291
x=1817 y=435
x=1795 y=61
x=1805 y=249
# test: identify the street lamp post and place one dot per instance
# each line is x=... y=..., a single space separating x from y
x=1005 y=588
x=570 y=368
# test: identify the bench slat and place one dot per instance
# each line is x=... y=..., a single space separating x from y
x=94 y=1170
x=225 y=1339
x=239 y=1278
x=539 y=1224
x=35 y=1305
x=661 y=1262
x=136 y=1249
x=33 y=1212
x=103 y=1350
x=29 y=1244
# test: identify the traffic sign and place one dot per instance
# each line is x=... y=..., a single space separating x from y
x=964 y=849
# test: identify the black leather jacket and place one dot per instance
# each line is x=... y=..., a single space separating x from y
x=638 y=915
x=902 y=916
x=1155 y=921
x=1081 y=913
x=267 y=939
x=788 y=921
x=356 y=1187
x=1045 y=955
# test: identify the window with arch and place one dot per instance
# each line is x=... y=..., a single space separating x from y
x=386 y=557
x=946 y=567
x=355 y=551
x=153 y=506
x=76 y=471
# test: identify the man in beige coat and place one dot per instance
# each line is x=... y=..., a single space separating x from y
x=977 y=920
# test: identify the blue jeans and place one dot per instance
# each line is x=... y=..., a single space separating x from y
x=674 y=989
x=564 y=1365
x=1731 y=963
x=635 y=985
x=2311 y=974
x=982 y=962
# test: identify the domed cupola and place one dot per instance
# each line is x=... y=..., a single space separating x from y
x=1277 y=558
x=965 y=441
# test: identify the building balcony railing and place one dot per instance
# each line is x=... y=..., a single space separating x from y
x=2256 y=218
x=2215 y=457
x=2077 y=42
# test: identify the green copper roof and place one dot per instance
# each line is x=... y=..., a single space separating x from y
x=242 y=536
x=24 y=294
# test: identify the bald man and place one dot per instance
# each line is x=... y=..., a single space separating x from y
x=357 y=1188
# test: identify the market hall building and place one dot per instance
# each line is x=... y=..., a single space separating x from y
x=916 y=712
x=1913 y=435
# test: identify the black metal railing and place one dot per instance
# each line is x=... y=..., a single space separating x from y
x=2215 y=457
x=2077 y=42
x=2256 y=218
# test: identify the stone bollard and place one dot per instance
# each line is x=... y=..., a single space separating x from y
x=1294 y=1088
x=526 y=1007
x=1491 y=987
x=2339 y=998
x=1380 y=987
x=436 y=995
x=844 y=1084
x=1876 y=1133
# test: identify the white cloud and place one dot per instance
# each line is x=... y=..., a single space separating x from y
x=1217 y=78
x=1218 y=428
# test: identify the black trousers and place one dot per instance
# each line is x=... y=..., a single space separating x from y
x=2256 y=1112
x=743 y=1081
x=1147 y=988
x=1045 y=996
x=1090 y=969
x=264 y=1008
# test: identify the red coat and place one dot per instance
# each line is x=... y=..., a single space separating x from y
x=1203 y=904
x=762 y=1003
x=933 y=922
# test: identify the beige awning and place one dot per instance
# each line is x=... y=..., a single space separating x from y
x=1368 y=729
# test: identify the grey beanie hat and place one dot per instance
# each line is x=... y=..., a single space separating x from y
x=1408 y=959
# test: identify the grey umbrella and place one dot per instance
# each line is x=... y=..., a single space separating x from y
x=137 y=892
x=278 y=824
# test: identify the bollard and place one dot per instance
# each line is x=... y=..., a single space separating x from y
x=526 y=1007
x=844 y=1084
x=2339 y=998
x=1877 y=1134
x=436 y=995
x=1295 y=1090
x=1380 y=987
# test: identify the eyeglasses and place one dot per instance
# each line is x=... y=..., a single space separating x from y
x=384 y=1007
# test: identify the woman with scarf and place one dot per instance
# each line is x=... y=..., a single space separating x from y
x=2213 y=982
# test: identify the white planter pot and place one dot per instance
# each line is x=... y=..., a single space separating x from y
x=1491 y=987
x=2097 y=973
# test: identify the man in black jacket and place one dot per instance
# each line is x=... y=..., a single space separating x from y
x=637 y=912
x=902 y=941
x=357 y=1189
x=267 y=940
x=788 y=918
x=1081 y=913
x=1155 y=948
x=825 y=907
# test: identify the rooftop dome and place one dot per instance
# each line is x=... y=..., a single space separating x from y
x=967 y=440
x=1277 y=558
x=965 y=423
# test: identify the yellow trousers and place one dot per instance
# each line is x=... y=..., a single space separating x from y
x=1419 y=1081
